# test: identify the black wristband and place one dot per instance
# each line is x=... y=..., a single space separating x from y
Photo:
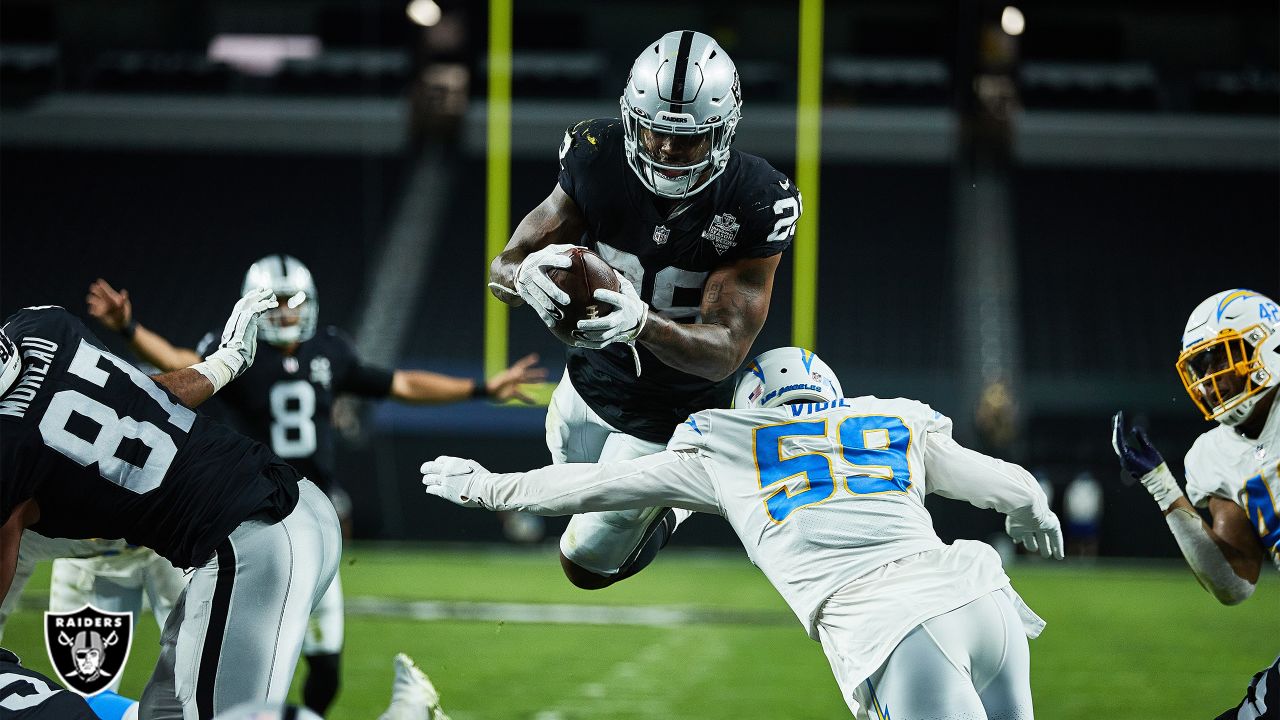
x=480 y=390
x=129 y=328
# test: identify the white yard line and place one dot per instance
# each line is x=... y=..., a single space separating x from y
x=648 y=615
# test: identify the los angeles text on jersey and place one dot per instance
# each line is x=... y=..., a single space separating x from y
x=37 y=356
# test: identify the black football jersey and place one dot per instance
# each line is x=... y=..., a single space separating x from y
x=28 y=695
x=750 y=211
x=107 y=452
x=286 y=401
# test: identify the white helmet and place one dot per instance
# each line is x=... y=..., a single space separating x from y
x=10 y=363
x=295 y=319
x=784 y=375
x=683 y=84
x=1230 y=354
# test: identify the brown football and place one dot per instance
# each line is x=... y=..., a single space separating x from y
x=580 y=281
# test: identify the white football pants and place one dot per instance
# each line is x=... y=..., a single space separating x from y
x=600 y=541
x=236 y=632
x=972 y=663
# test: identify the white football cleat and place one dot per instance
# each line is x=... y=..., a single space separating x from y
x=413 y=697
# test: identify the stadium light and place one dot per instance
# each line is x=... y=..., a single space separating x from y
x=1012 y=21
x=423 y=12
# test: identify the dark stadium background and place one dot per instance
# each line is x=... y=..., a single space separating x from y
x=1139 y=174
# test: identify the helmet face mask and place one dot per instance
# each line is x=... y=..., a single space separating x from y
x=1231 y=354
x=295 y=319
x=682 y=86
x=1223 y=372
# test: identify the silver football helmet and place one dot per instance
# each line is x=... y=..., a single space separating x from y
x=295 y=319
x=10 y=363
x=684 y=84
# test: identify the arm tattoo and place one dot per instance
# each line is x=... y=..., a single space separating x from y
x=713 y=291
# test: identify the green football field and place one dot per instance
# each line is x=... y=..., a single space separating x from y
x=702 y=636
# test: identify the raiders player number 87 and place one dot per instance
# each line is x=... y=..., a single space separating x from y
x=695 y=231
x=95 y=448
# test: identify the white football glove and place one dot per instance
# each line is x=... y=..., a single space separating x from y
x=239 y=339
x=536 y=289
x=450 y=478
x=624 y=323
x=1044 y=534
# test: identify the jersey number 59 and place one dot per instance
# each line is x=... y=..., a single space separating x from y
x=873 y=449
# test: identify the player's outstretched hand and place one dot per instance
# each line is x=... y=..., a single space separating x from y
x=624 y=323
x=1137 y=455
x=240 y=336
x=450 y=478
x=507 y=384
x=1043 y=533
x=534 y=287
x=112 y=308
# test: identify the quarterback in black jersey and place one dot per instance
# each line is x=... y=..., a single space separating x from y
x=92 y=447
x=286 y=401
x=695 y=231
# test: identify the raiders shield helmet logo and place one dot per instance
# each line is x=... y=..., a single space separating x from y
x=89 y=647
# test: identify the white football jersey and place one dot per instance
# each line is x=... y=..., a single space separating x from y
x=827 y=499
x=1223 y=463
x=824 y=493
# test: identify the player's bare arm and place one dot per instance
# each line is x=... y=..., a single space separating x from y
x=187 y=384
x=1234 y=535
x=114 y=310
x=197 y=383
x=735 y=303
x=557 y=220
x=24 y=515
x=421 y=386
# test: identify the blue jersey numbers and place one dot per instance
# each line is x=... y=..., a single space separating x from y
x=872 y=450
x=1262 y=512
x=775 y=469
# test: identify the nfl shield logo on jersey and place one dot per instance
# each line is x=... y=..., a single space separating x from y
x=660 y=235
x=722 y=232
x=89 y=647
